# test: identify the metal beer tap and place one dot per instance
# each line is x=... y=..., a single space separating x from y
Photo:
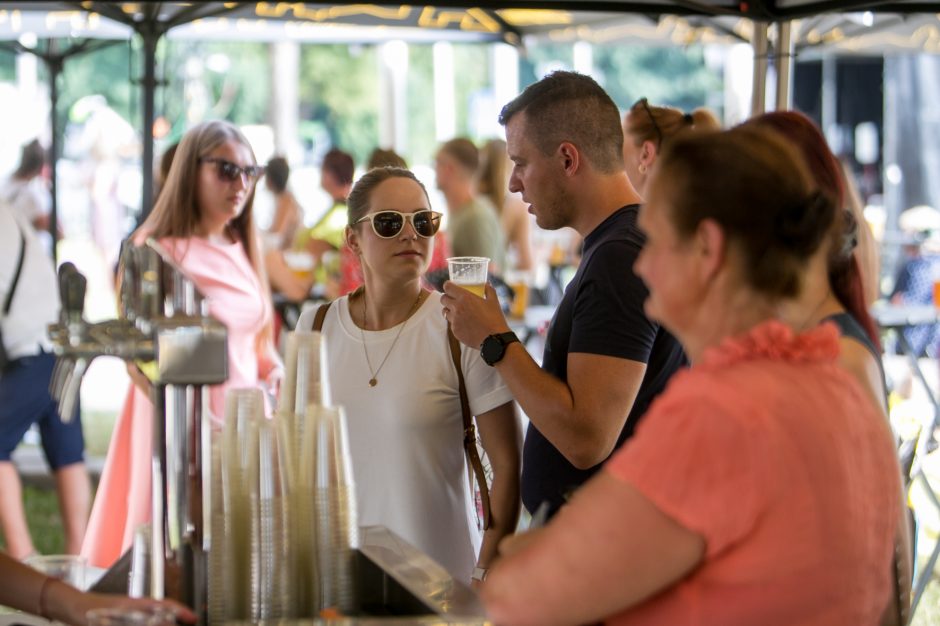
x=164 y=319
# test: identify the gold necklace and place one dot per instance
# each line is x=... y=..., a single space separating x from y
x=375 y=373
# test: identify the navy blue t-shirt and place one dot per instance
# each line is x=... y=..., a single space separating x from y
x=600 y=313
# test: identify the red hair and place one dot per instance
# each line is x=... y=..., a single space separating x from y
x=845 y=276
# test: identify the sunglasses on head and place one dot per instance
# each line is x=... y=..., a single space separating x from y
x=646 y=106
x=388 y=224
x=230 y=172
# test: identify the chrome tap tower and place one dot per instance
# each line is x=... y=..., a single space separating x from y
x=165 y=320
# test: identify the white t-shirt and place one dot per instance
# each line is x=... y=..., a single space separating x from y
x=35 y=303
x=30 y=198
x=406 y=433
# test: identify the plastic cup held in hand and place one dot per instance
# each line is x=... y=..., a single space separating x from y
x=469 y=272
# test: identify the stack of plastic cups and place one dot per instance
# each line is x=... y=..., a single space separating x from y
x=337 y=526
x=303 y=387
x=243 y=409
x=218 y=547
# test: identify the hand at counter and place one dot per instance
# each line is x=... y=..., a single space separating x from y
x=29 y=590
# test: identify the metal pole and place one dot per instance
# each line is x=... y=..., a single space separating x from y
x=761 y=46
x=54 y=63
x=783 y=59
x=150 y=37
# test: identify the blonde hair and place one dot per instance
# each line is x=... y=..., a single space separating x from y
x=493 y=180
x=659 y=124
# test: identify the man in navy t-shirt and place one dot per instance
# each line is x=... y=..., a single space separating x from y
x=604 y=360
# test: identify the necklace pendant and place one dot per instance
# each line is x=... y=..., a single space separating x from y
x=373 y=382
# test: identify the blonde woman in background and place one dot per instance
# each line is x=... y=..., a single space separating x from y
x=647 y=127
x=513 y=212
x=866 y=252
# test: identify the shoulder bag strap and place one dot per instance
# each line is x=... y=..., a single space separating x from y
x=16 y=276
x=320 y=316
x=469 y=430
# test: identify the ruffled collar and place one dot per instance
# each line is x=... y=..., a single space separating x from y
x=776 y=341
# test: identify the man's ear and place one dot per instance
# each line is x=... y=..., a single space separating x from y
x=570 y=157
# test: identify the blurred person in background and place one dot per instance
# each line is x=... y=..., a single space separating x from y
x=288 y=215
x=336 y=178
x=920 y=270
x=27 y=193
x=204 y=220
x=381 y=157
x=646 y=130
x=867 y=252
x=473 y=227
x=734 y=504
x=24 y=389
x=513 y=213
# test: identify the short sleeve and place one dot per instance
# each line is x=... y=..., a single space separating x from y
x=608 y=311
x=696 y=464
x=485 y=387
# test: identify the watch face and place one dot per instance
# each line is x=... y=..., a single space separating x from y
x=492 y=350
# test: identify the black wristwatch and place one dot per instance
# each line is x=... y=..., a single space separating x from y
x=494 y=347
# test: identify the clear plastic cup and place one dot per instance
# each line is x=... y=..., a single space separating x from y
x=130 y=617
x=469 y=272
x=69 y=568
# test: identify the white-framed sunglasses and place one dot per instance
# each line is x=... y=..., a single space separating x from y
x=389 y=224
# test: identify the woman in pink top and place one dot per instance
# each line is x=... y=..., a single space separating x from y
x=203 y=218
x=762 y=486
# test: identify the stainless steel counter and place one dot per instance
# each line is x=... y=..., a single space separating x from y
x=396 y=585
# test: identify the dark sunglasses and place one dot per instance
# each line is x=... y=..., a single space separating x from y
x=230 y=172
x=646 y=106
x=388 y=224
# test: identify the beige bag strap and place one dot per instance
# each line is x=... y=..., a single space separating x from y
x=320 y=316
x=469 y=430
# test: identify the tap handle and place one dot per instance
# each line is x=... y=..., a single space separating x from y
x=72 y=290
x=129 y=286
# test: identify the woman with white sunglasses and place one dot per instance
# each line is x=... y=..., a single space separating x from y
x=391 y=368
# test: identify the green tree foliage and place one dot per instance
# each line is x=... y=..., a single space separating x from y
x=213 y=80
x=666 y=76
x=422 y=143
x=339 y=88
x=106 y=71
x=471 y=76
x=7 y=66
x=669 y=75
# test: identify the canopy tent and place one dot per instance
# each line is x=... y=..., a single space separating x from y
x=843 y=24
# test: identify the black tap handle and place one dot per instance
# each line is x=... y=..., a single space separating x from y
x=72 y=287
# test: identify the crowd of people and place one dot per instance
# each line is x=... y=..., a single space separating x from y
x=707 y=428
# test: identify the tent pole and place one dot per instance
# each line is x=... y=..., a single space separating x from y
x=783 y=61
x=150 y=35
x=759 y=82
x=54 y=63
